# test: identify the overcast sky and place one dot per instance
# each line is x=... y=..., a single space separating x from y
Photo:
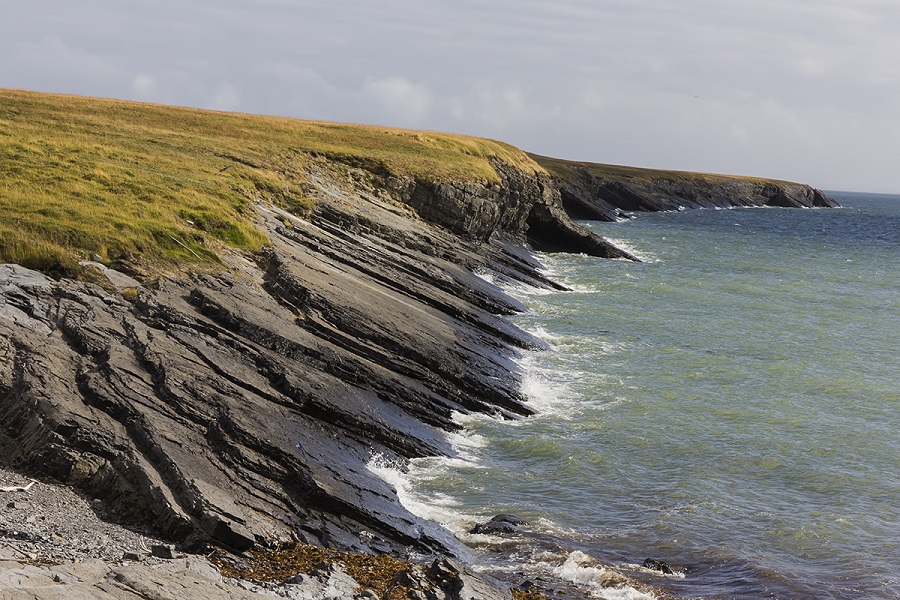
x=806 y=90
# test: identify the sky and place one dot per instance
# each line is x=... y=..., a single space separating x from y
x=804 y=90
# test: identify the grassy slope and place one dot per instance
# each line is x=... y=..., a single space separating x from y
x=565 y=170
x=166 y=187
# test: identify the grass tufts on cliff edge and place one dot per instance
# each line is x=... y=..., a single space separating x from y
x=157 y=189
x=566 y=171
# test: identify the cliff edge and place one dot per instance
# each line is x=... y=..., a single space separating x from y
x=601 y=192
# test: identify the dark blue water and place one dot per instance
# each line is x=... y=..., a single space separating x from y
x=731 y=405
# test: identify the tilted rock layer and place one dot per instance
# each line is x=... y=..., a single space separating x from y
x=244 y=408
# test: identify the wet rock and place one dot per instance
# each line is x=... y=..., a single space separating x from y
x=460 y=584
x=500 y=524
x=229 y=409
x=226 y=409
x=512 y=519
x=658 y=565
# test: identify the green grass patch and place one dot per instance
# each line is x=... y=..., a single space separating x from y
x=167 y=187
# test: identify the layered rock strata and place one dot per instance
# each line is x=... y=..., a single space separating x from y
x=244 y=408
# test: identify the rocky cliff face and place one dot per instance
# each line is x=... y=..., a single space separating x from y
x=589 y=196
x=524 y=205
x=244 y=408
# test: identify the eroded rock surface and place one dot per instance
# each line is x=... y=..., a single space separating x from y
x=244 y=408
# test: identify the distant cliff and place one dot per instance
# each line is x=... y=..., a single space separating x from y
x=602 y=192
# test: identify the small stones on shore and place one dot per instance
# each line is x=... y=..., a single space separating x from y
x=51 y=523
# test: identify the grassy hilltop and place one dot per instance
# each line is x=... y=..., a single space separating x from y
x=159 y=189
x=165 y=186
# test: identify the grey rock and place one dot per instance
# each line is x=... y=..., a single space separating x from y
x=500 y=524
x=166 y=551
x=212 y=407
x=328 y=583
x=241 y=407
x=118 y=279
x=461 y=584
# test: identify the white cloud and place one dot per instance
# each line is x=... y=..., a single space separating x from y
x=593 y=99
x=143 y=85
x=225 y=97
x=405 y=102
x=50 y=63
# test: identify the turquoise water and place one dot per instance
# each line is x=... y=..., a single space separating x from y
x=731 y=406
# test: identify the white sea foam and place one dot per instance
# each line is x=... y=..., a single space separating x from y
x=627 y=247
x=543 y=389
x=545 y=336
x=440 y=508
x=517 y=289
x=466 y=442
x=583 y=570
x=487 y=275
x=560 y=270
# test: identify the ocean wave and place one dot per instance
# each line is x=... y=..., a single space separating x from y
x=643 y=255
x=437 y=507
x=582 y=569
x=515 y=288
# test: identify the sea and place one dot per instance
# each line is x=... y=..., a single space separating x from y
x=730 y=405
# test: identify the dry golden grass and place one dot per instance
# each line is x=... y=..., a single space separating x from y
x=148 y=184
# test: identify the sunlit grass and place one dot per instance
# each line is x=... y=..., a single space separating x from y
x=167 y=187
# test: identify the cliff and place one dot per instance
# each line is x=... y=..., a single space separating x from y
x=227 y=386
x=244 y=406
x=213 y=323
x=602 y=192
